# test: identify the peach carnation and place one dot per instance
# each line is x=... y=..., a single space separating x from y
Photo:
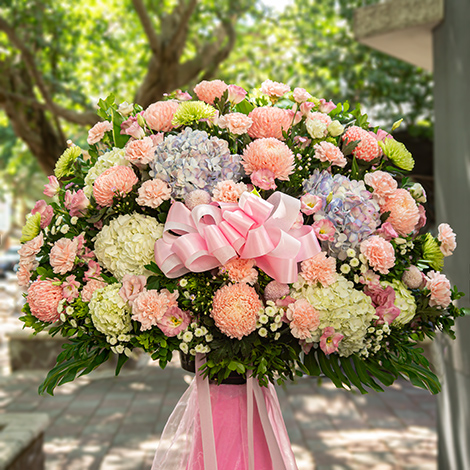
x=43 y=299
x=62 y=255
x=32 y=247
x=140 y=152
x=90 y=287
x=382 y=183
x=228 y=191
x=96 y=133
x=328 y=152
x=269 y=154
x=379 y=253
x=301 y=95
x=269 y=121
x=208 y=91
x=240 y=270
x=153 y=192
x=447 y=238
x=404 y=213
x=368 y=149
x=320 y=268
x=439 y=286
x=23 y=275
x=235 y=309
x=278 y=89
x=304 y=319
x=117 y=180
x=236 y=123
x=150 y=306
x=160 y=114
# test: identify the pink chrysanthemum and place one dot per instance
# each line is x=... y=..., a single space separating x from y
x=96 y=133
x=328 y=152
x=228 y=191
x=90 y=287
x=275 y=290
x=277 y=89
x=269 y=154
x=439 y=286
x=153 y=192
x=379 y=253
x=208 y=91
x=117 y=180
x=320 y=268
x=269 y=121
x=404 y=213
x=368 y=149
x=304 y=319
x=151 y=305
x=160 y=114
x=241 y=270
x=140 y=152
x=447 y=238
x=43 y=299
x=235 y=309
x=62 y=255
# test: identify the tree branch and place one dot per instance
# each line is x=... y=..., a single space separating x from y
x=154 y=40
x=178 y=39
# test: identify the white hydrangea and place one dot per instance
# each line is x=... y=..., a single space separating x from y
x=115 y=157
x=349 y=311
x=404 y=300
x=109 y=313
x=126 y=245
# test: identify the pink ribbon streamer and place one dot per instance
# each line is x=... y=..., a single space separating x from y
x=209 y=236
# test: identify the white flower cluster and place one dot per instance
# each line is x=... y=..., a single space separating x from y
x=194 y=339
x=270 y=319
x=349 y=311
x=126 y=245
x=111 y=315
x=115 y=157
x=374 y=341
x=404 y=300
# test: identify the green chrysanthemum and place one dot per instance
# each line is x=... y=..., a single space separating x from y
x=31 y=228
x=64 y=165
x=432 y=252
x=192 y=111
x=398 y=153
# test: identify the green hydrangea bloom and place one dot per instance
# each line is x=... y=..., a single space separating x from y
x=432 y=252
x=398 y=153
x=31 y=228
x=64 y=166
x=192 y=111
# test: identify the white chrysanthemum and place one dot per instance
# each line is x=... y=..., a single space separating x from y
x=349 y=311
x=404 y=300
x=126 y=245
x=115 y=157
x=109 y=313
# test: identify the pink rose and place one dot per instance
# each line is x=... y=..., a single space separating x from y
x=45 y=210
x=76 y=202
x=62 y=255
x=140 y=152
x=96 y=133
x=383 y=300
x=263 y=179
x=174 y=321
x=132 y=286
x=131 y=127
x=276 y=89
x=379 y=253
x=447 y=238
x=236 y=94
x=439 y=286
x=53 y=187
x=301 y=95
x=329 y=340
x=236 y=123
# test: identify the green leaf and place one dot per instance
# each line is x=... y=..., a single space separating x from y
x=122 y=359
x=244 y=107
x=364 y=377
x=350 y=146
x=352 y=375
x=120 y=140
x=328 y=371
x=311 y=364
x=385 y=377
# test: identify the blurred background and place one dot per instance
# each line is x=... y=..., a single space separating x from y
x=57 y=58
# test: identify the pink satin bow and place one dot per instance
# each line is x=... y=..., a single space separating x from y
x=209 y=236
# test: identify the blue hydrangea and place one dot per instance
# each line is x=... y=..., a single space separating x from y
x=346 y=203
x=193 y=160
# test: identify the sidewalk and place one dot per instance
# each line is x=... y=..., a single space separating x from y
x=107 y=423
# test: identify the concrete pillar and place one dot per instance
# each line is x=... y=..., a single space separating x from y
x=451 y=40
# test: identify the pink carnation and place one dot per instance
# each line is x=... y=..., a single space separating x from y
x=53 y=187
x=117 y=180
x=328 y=152
x=150 y=306
x=153 y=192
x=76 y=202
x=43 y=299
x=62 y=255
x=277 y=89
x=304 y=319
x=439 y=286
x=235 y=309
x=301 y=95
x=160 y=114
x=45 y=210
x=196 y=198
x=31 y=248
x=23 y=275
x=228 y=191
x=269 y=154
x=236 y=123
x=309 y=204
x=236 y=94
x=447 y=238
x=90 y=287
x=174 y=321
x=383 y=184
x=275 y=290
x=404 y=213
x=320 y=268
x=329 y=340
x=383 y=300
x=70 y=288
x=208 y=91
x=132 y=286
x=269 y=121
x=240 y=270
x=368 y=149
x=140 y=152
x=379 y=253
x=96 y=133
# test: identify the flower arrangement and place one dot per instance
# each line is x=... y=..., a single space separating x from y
x=276 y=233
